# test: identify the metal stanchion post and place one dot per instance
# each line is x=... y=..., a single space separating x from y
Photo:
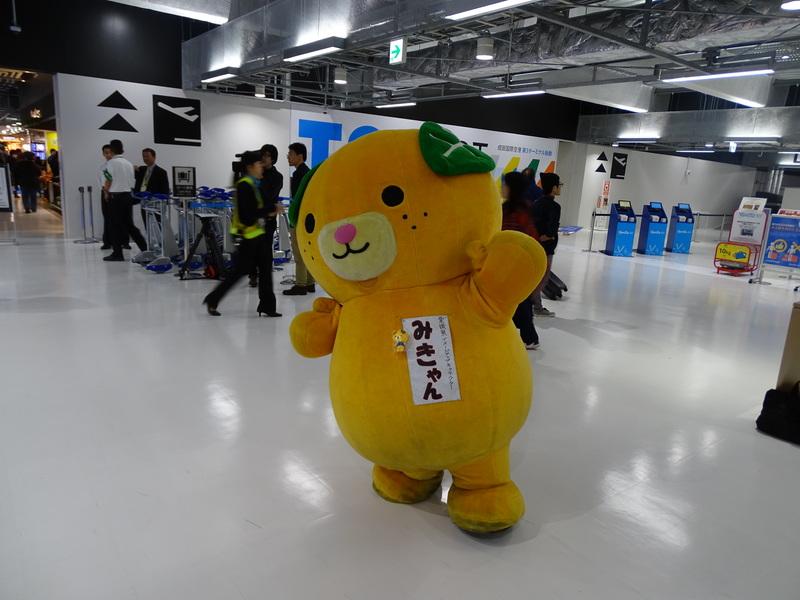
x=722 y=227
x=591 y=231
x=85 y=239
x=696 y=226
x=93 y=239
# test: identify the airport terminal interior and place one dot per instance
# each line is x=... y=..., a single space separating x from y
x=450 y=299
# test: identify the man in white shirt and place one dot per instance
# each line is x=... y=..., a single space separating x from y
x=119 y=184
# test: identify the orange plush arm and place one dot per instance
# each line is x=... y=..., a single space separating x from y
x=313 y=333
x=507 y=270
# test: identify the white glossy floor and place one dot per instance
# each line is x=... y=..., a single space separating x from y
x=140 y=458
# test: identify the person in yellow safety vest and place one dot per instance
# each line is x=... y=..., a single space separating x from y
x=247 y=224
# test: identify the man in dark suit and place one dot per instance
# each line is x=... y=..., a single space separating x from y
x=151 y=178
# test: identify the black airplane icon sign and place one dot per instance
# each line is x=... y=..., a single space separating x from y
x=176 y=120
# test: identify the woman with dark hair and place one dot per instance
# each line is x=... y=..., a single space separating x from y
x=517 y=217
x=547 y=217
x=248 y=225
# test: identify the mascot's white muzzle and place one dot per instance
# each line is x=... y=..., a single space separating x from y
x=358 y=248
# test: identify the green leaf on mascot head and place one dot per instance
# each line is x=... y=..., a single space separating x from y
x=447 y=155
x=294 y=205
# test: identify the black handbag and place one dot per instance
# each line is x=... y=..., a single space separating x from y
x=780 y=415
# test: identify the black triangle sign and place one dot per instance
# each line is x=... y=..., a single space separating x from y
x=118 y=123
x=117 y=100
x=602 y=156
x=600 y=169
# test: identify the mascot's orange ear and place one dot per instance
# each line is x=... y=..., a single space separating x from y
x=447 y=155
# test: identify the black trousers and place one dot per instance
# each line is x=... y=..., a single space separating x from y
x=108 y=224
x=121 y=209
x=523 y=320
x=252 y=254
x=270 y=227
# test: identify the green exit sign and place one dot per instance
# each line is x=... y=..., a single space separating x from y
x=397 y=51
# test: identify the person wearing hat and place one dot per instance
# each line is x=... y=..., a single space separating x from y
x=547 y=217
x=248 y=225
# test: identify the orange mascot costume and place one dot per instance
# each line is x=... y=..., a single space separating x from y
x=428 y=373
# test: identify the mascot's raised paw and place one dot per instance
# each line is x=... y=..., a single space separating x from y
x=427 y=371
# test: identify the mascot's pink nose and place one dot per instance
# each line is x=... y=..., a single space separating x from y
x=345 y=233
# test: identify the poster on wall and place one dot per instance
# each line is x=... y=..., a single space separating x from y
x=6 y=204
x=783 y=242
x=323 y=134
x=619 y=165
x=176 y=120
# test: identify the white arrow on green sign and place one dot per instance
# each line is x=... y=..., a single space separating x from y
x=397 y=51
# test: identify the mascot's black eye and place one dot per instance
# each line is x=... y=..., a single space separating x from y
x=392 y=195
x=310 y=223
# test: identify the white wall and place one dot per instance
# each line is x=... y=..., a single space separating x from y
x=230 y=124
x=791 y=198
x=708 y=186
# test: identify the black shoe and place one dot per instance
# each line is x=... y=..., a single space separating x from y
x=253 y=282
x=311 y=289
x=211 y=309
x=262 y=311
x=27 y=212
x=296 y=290
x=105 y=247
x=126 y=246
x=114 y=258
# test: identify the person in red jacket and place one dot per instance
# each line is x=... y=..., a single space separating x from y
x=517 y=216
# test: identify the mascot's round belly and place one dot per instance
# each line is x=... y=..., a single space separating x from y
x=372 y=393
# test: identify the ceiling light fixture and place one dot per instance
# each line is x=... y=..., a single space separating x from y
x=396 y=105
x=485 y=10
x=340 y=76
x=789 y=152
x=314 y=49
x=615 y=145
x=219 y=75
x=794 y=5
x=515 y=94
x=785 y=57
x=731 y=147
x=634 y=109
x=642 y=141
x=695 y=151
x=719 y=76
x=709 y=145
x=485 y=49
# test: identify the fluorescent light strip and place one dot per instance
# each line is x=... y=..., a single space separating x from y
x=793 y=5
x=643 y=141
x=216 y=78
x=485 y=10
x=515 y=94
x=396 y=105
x=634 y=109
x=719 y=76
x=753 y=141
x=695 y=151
x=789 y=152
x=312 y=54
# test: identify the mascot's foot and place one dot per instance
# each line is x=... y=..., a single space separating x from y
x=486 y=510
x=396 y=486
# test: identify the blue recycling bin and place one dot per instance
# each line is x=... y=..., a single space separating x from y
x=653 y=230
x=621 y=229
x=681 y=229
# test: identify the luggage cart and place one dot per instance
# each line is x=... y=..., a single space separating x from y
x=213 y=209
